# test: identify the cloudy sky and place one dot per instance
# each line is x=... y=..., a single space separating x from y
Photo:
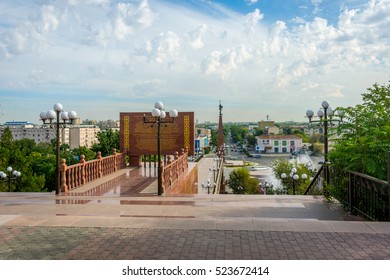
x=259 y=57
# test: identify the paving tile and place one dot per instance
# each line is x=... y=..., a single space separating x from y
x=272 y=225
x=310 y=225
x=348 y=226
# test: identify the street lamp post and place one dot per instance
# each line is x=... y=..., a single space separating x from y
x=13 y=175
x=207 y=186
x=294 y=177
x=264 y=186
x=326 y=115
x=58 y=118
x=158 y=118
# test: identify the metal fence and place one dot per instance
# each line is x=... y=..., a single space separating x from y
x=361 y=194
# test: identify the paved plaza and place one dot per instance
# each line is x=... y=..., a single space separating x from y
x=115 y=219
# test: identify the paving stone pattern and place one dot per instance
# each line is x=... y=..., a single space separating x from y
x=74 y=243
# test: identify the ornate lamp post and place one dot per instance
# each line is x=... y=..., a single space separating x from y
x=294 y=177
x=57 y=119
x=158 y=118
x=326 y=116
x=12 y=176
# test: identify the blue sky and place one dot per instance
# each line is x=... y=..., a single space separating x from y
x=264 y=57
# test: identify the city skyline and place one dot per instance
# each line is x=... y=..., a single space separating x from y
x=261 y=58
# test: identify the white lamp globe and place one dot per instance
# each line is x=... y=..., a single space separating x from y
x=58 y=107
x=72 y=115
x=309 y=113
x=9 y=168
x=295 y=177
x=325 y=104
x=320 y=113
x=51 y=114
x=163 y=114
x=173 y=113
x=330 y=112
x=42 y=115
x=283 y=175
x=304 y=176
x=294 y=170
x=156 y=112
x=64 y=115
x=159 y=105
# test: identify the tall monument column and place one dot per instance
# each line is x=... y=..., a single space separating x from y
x=221 y=150
x=220 y=128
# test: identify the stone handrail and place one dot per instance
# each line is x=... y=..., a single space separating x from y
x=219 y=178
x=84 y=172
x=173 y=169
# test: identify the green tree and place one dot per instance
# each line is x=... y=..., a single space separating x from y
x=362 y=141
x=108 y=140
x=241 y=182
x=6 y=143
x=251 y=139
x=238 y=133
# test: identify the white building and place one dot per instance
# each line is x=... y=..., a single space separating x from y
x=76 y=136
x=83 y=136
x=279 y=143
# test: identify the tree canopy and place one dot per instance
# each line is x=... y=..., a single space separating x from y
x=241 y=182
x=362 y=141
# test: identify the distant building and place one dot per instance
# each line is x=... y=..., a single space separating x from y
x=27 y=130
x=75 y=136
x=202 y=139
x=83 y=136
x=272 y=130
x=310 y=131
x=279 y=143
x=263 y=124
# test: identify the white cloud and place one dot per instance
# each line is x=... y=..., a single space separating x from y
x=143 y=50
x=251 y=2
x=196 y=37
x=164 y=47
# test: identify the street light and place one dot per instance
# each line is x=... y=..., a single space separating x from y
x=207 y=186
x=158 y=118
x=264 y=186
x=294 y=177
x=327 y=115
x=58 y=118
x=12 y=176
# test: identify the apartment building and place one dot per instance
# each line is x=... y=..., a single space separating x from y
x=83 y=135
x=76 y=136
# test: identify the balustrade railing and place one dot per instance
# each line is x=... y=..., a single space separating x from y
x=172 y=170
x=77 y=175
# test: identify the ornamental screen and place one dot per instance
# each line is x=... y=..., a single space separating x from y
x=139 y=138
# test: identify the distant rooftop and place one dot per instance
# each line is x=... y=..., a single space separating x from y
x=16 y=123
x=271 y=137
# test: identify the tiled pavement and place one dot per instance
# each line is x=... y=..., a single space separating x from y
x=110 y=226
x=187 y=244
